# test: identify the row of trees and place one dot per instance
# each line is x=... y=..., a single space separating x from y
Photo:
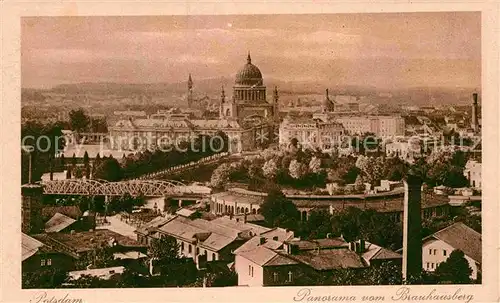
x=308 y=169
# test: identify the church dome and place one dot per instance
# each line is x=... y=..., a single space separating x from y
x=249 y=74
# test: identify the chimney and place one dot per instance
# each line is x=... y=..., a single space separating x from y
x=474 y=120
x=352 y=246
x=362 y=246
x=412 y=226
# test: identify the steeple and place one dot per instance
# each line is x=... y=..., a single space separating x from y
x=249 y=60
x=222 y=95
x=190 y=91
x=190 y=82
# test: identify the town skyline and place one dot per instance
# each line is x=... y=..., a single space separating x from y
x=430 y=49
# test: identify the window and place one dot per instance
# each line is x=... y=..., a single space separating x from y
x=430 y=251
x=182 y=246
x=432 y=265
x=249 y=270
x=42 y=262
x=49 y=262
x=252 y=272
x=213 y=257
x=190 y=248
x=197 y=251
x=435 y=251
x=289 y=276
x=427 y=265
x=444 y=252
x=275 y=277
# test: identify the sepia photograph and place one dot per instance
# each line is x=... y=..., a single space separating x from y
x=252 y=150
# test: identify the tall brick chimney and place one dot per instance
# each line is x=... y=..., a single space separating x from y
x=412 y=226
x=474 y=121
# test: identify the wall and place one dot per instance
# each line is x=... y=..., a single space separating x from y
x=245 y=276
x=58 y=260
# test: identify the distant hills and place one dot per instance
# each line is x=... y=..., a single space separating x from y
x=212 y=87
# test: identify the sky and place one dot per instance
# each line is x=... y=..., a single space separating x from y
x=395 y=50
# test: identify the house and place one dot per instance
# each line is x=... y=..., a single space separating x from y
x=472 y=172
x=204 y=240
x=437 y=247
x=37 y=255
x=278 y=261
x=71 y=211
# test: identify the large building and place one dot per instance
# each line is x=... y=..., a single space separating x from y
x=247 y=118
x=311 y=133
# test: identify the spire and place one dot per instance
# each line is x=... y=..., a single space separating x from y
x=223 y=95
x=249 y=60
x=276 y=96
x=190 y=82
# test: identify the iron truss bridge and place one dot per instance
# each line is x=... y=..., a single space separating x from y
x=89 y=187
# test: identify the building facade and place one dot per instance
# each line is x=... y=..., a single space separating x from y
x=311 y=133
x=472 y=172
x=438 y=247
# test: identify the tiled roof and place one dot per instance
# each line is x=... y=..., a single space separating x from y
x=155 y=223
x=259 y=255
x=217 y=233
x=70 y=211
x=314 y=244
x=462 y=237
x=30 y=246
x=279 y=260
x=57 y=223
x=328 y=259
x=375 y=252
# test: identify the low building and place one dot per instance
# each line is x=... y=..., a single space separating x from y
x=59 y=223
x=37 y=255
x=437 y=247
x=236 y=201
x=204 y=240
x=472 y=172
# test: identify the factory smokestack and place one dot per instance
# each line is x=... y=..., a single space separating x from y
x=474 y=121
x=412 y=226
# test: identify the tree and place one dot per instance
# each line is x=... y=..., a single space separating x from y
x=296 y=169
x=79 y=121
x=359 y=185
x=108 y=169
x=100 y=257
x=220 y=175
x=279 y=211
x=315 y=165
x=164 y=251
x=47 y=278
x=270 y=169
x=455 y=269
x=86 y=158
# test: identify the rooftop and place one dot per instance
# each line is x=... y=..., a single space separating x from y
x=30 y=246
x=57 y=223
x=462 y=237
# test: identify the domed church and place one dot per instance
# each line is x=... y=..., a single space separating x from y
x=249 y=104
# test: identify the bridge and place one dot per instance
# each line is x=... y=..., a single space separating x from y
x=146 y=188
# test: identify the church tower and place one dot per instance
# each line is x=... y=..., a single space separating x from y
x=227 y=110
x=190 y=91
